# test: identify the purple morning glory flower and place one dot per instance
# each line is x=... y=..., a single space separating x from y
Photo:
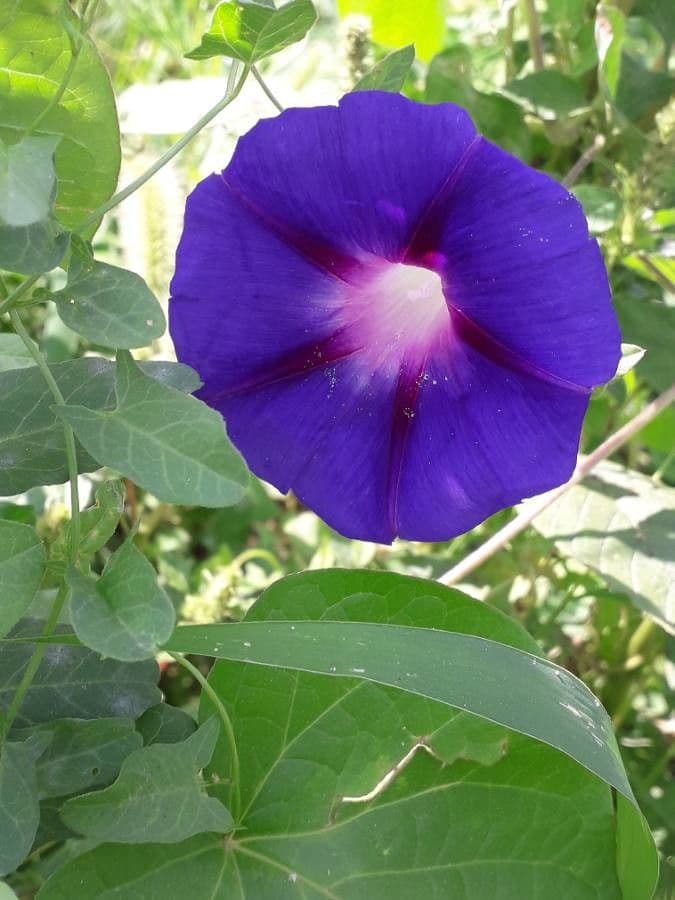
x=397 y=319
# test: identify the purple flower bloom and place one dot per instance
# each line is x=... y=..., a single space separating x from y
x=397 y=319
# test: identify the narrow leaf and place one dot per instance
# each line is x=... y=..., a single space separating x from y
x=169 y=444
x=390 y=73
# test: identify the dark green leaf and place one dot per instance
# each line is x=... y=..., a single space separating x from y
x=169 y=444
x=110 y=306
x=32 y=449
x=661 y=13
x=74 y=682
x=19 y=807
x=97 y=524
x=164 y=724
x=652 y=326
x=157 y=796
x=421 y=22
x=602 y=206
x=619 y=523
x=249 y=31
x=82 y=754
x=549 y=95
x=34 y=55
x=22 y=565
x=390 y=73
x=640 y=91
x=124 y=614
x=13 y=353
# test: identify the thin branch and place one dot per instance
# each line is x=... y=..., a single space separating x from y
x=263 y=84
x=235 y=797
x=584 y=160
x=586 y=465
x=534 y=31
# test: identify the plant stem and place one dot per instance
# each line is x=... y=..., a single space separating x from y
x=117 y=198
x=584 y=160
x=34 y=662
x=586 y=465
x=534 y=31
x=263 y=84
x=235 y=798
x=71 y=450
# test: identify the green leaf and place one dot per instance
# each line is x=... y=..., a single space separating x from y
x=172 y=445
x=19 y=807
x=6 y=893
x=249 y=31
x=97 y=524
x=82 y=754
x=32 y=449
x=602 y=206
x=34 y=55
x=74 y=682
x=550 y=95
x=22 y=565
x=124 y=614
x=30 y=240
x=631 y=355
x=157 y=796
x=652 y=326
x=164 y=724
x=110 y=306
x=655 y=266
x=390 y=73
x=617 y=522
x=13 y=353
x=420 y=22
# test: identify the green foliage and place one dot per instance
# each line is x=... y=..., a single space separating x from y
x=157 y=796
x=390 y=73
x=19 y=808
x=13 y=353
x=421 y=22
x=22 y=565
x=250 y=31
x=167 y=442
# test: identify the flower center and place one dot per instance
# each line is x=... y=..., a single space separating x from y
x=400 y=309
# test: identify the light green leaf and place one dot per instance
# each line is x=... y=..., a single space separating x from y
x=110 y=306
x=22 y=565
x=654 y=266
x=652 y=326
x=82 y=754
x=249 y=31
x=13 y=353
x=32 y=449
x=124 y=614
x=602 y=206
x=19 y=807
x=157 y=796
x=619 y=523
x=550 y=95
x=172 y=445
x=420 y=22
x=164 y=724
x=6 y=893
x=74 y=682
x=390 y=73
x=97 y=524
x=30 y=240
x=35 y=53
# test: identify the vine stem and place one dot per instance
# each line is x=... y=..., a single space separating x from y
x=266 y=90
x=584 y=160
x=586 y=465
x=235 y=797
x=534 y=29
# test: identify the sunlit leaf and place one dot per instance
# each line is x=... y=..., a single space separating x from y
x=169 y=443
x=420 y=22
x=390 y=73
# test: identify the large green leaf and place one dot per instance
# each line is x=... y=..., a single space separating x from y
x=352 y=789
x=22 y=565
x=35 y=52
x=74 y=682
x=170 y=444
x=157 y=796
x=32 y=448
x=421 y=22
x=110 y=306
x=19 y=808
x=124 y=614
x=30 y=240
x=82 y=754
x=620 y=523
x=548 y=94
x=251 y=30
x=652 y=326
